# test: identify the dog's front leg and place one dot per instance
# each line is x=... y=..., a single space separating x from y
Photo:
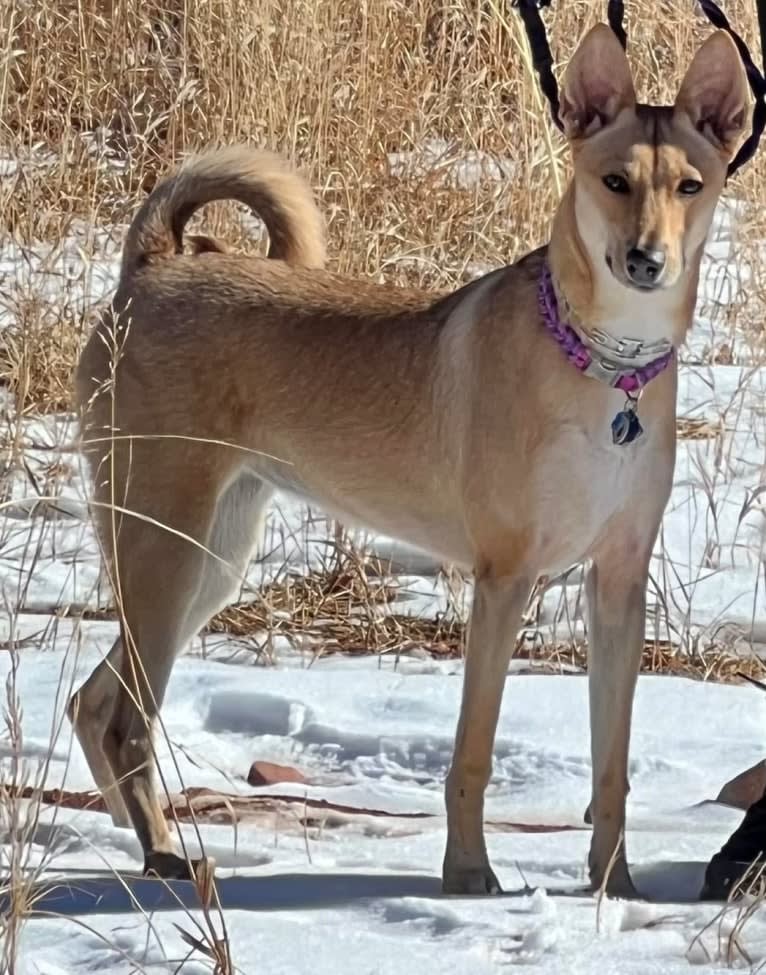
x=616 y=595
x=497 y=607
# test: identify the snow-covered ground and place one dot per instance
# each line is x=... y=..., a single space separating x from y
x=360 y=893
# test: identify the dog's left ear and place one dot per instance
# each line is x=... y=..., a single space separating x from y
x=597 y=84
x=714 y=92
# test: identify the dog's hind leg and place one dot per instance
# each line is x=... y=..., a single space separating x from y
x=498 y=605
x=236 y=529
x=170 y=587
x=90 y=710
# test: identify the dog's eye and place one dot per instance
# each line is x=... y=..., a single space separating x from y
x=616 y=183
x=688 y=187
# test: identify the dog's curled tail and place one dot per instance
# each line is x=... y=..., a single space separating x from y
x=261 y=180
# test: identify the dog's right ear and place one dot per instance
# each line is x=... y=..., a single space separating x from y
x=597 y=84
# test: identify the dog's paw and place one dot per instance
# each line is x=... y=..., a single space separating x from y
x=476 y=881
x=726 y=879
x=618 y=883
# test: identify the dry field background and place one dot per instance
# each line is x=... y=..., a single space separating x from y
x=98 y=99
x=422 y=131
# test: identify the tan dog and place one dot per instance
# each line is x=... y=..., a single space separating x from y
x=465 y=425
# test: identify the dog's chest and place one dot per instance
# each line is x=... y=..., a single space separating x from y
x=584 y=482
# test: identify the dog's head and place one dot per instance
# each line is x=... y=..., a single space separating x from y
x=646 y=178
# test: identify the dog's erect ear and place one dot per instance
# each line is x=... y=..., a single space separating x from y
x=597 y=84
x=714 y=92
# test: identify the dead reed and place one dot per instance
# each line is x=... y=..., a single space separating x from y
x=418 y=122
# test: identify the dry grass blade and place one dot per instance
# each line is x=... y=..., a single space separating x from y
x=695 y=428
x=748 y=677
x=602 y=891
x=352 y=609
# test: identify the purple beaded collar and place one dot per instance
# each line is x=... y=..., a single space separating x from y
x=606 y=367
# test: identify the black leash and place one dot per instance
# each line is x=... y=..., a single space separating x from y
x=543 y=61
x=761 y=7
x=615 y=12
x=717 y=18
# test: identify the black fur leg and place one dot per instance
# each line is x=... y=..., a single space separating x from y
x=743 y=855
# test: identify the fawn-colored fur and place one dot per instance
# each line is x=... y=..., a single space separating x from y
x=456 y=424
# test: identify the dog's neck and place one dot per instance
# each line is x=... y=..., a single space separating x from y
x=595 y=300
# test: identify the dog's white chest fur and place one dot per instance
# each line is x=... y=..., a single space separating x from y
x=599 y=478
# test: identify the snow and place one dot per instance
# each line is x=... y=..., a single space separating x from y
x=361 y=893
x=365 y=894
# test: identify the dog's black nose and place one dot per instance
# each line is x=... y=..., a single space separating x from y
x=644 y=267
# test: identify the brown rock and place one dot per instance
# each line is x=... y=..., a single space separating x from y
x=268 y=773
x=743 y=790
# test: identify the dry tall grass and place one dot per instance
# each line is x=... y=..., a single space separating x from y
x=98 y=98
